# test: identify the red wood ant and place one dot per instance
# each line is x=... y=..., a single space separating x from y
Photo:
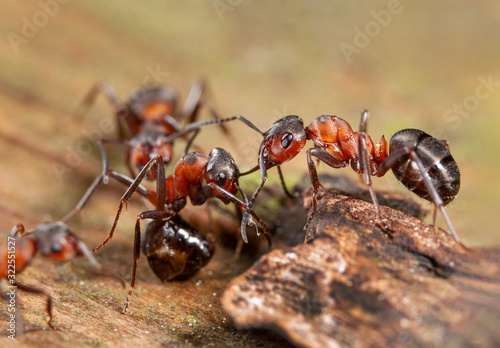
x=53 y=241
x=420 y=162
x=175 y=250
x=146 y=120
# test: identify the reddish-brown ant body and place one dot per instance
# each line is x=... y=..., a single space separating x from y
x=420 y=162
x=175 y=250
x=147 y=119
x=52 y=240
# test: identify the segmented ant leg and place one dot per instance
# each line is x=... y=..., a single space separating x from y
x=158 y=160
x=328 y=159
x=438 y=202
x=394 y=157
x=194 y=102
x=244 y=205
x=104 y=156
x=104 y=88
x=365 y=168
x=364 y=120
x=282 y=180
x=40 y=292
x=174 y=128
x=118 y=108
x=263 y=174
x=84 y=199
x=434 y=215
x=150 y=214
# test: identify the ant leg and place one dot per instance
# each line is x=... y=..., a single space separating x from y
x=40 y=292
x=394 y=157
x=125 y=180
x=365 y=168
x=192 y=104
x=174 y=128
x=364 y=120
x=84 y=199
x=244 y=219
x=328 y=159
x=282 y=180
x=118 y=108
x=434 y=213
x=438 y=202
x=104 y=155
x=244 y=206
x=104 y=88
x=158 y=160
x=150 y=214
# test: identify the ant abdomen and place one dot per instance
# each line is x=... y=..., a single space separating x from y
x=175 y=250
x=436 y=159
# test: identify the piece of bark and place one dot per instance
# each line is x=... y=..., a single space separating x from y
x=352 y=284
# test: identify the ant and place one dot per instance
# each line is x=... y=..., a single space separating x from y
x=147 y=119
x=54 y=241
x=175 y=250
x=420 y=162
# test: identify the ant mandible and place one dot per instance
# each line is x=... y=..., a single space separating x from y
x=146 y=120
x=420 y=162
x=168 y=255
x=53 y=241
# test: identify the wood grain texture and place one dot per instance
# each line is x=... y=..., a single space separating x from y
x=352 y=284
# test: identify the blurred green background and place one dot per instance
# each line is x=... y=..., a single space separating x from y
x=412 y=64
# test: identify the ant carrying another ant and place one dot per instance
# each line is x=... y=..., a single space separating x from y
x=53 y=241
x=420 y=162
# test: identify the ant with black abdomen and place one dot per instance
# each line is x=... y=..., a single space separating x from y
x=175 y=250
x=420 y=162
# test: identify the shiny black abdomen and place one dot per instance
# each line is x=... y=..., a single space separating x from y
x=175 y=250
x=436 y=159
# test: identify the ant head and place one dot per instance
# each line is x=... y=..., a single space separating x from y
x=150 y=103
x=55 y=241
x=146 y=146
x=283 y=140
x=222 y=170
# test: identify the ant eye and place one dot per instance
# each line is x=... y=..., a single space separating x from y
x=56 y=248
x=286 y=140
x=221 y=179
